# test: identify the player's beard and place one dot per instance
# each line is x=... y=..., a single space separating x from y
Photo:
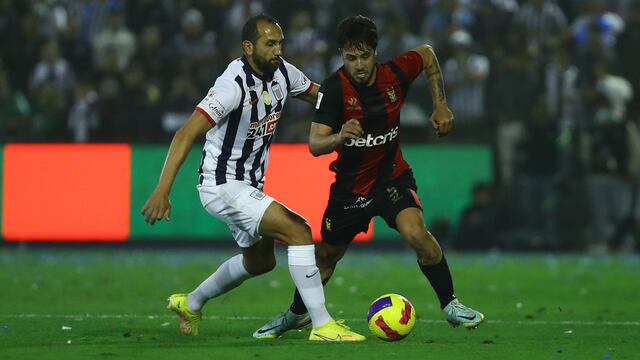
x=266 y=66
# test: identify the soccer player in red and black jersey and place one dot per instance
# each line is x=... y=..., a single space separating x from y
x=358 y=116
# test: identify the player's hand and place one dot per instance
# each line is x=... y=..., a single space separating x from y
x=442 y=120
x=157 y=207
x=351 y=130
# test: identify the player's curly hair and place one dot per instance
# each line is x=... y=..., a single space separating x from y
x=357 y=31
x=250 y=28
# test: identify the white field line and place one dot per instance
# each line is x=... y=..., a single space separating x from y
x=80 y=317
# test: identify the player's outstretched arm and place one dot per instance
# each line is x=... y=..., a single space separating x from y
x=442 y=117
x=158 y=205
x=322 y=139
x=310 y=96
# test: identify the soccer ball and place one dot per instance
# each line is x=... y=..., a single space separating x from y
x=391 y=317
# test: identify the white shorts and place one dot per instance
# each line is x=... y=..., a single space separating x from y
x=239 y=205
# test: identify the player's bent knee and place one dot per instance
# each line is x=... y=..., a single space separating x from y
x=298 y=233
x=328 y=258
x=261 y=267
x=429 y=257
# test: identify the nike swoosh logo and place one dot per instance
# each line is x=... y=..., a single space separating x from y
x=310 y=276
x=337 y=338
x=262 y=331
x=468 y=317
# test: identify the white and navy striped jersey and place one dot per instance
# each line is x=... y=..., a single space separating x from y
x=244 y=108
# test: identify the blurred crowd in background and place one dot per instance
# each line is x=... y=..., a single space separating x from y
x=552 y=87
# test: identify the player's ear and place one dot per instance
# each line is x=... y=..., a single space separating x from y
x=247 y=47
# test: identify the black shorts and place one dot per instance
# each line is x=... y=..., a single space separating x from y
x=346 y=216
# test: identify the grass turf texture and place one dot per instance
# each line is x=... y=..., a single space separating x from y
x=537 y=307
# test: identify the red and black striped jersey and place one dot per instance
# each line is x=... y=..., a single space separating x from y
x=368 y=163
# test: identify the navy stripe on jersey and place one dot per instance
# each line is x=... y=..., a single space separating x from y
x=229 y=138
x=402 y=77
x=265 y=141
x=283 y=70
x=204 y=154
x=262 y=165
x=248 y=144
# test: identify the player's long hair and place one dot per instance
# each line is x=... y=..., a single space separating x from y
x=358 y=32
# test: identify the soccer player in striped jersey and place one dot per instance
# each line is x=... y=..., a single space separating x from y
x=358 y=116
x=239 y=116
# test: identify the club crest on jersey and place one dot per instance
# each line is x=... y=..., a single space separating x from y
x=391 y=95
x=277 y=91
x=264 y=127
x=327 y=224
x=266 y=97
x=257 y=194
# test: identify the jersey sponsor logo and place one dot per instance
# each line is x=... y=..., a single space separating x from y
x=216 y=108
x=360 y=203
x=319 y=101
x=394 y=194
x=371 y=141
x=277 y=91
x=264 y=127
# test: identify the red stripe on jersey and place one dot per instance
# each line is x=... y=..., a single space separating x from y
x=391 y=89
x=306 y=91
x=416 y=198
x=206 y=115
x=411 y=63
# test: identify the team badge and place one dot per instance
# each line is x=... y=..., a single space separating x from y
x=266 y=97
x=391 y=95
x=327 y=224
x=277 y=91
x=257 y=194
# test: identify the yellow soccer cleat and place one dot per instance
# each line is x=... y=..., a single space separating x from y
x=335 y=331
x=189 y=320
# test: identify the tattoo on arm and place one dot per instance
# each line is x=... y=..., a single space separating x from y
x=434 y=79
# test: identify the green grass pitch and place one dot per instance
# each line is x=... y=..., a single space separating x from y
x=537 y=307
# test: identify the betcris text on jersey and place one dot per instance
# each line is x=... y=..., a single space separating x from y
x=371 y=141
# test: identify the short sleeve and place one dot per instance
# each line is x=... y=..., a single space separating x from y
x=222 y=99
x=410 y=63
x=329 y=104
x=300 y=83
